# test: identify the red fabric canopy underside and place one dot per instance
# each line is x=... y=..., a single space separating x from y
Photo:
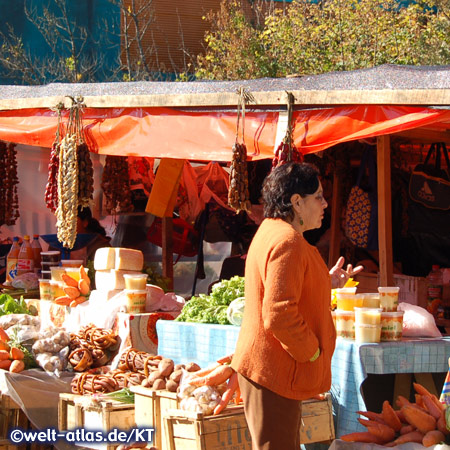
x=209 y=136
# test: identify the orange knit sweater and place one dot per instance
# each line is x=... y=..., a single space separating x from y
x=287 y=314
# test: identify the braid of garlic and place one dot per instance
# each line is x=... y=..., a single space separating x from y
x=67 y=211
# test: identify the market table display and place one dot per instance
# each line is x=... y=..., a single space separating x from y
x=350 y=365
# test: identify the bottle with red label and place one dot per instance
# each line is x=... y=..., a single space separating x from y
x=11 y=260
x=25 y=262
x=37 y=249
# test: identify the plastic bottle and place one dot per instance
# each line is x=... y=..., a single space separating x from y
x=37 y=249
x=25 y=263
x=11 y=260
x=435 y=284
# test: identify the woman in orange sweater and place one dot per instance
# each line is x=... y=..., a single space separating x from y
x=287 y=337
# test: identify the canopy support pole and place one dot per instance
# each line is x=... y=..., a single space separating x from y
x=167 y=249
x=335 y=231
x=385 y=211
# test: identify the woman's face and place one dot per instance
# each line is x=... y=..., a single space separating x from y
x=312 y=209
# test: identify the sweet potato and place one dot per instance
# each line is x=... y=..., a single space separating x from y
x=171 y=386
x=3 y=335
x=5 y=364
x=16 y=353
x=4 y=355
x=384 y=432
x=192 y=367
x=159 y=384
x=432 y=438
x=165 y=367
x=17 y=366
x=423 y=421
x=390 y=417
x=361 y=436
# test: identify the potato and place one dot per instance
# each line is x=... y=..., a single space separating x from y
x=176 y=375
x=155 y=375
x=172 y=386
x=192 y=367
x=145 y=383
x=159 y=384
x=165 y=367
x=17 y=366
x=179 y=366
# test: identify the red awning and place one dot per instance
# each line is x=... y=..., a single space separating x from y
x=209 y=135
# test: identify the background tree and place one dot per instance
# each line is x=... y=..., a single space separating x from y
x=330 y=35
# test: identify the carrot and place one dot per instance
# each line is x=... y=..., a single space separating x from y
x=16 y=353
x=17 y=366
x=71 y=292
x=401 y=401
x=432 y=408
x=3 y=335
x=4 y=354
x=390 y=417
x=384 y=432
x=228 y=394
x=423 y=421
x=406 y=429
x=413 y=436
x=238 y=398
x=63 y=300
x=77 y=301
x=422 y=390
x=83 y=286
x=4 y=346
x=226 y=359
x=219 y=375
x=400 y=415
x=205 y=371
x=433 y=437
x=5 y=364
x=367 y=422
x=419 y=401
x=361 y=436
x=372 y=415
x=69 y=280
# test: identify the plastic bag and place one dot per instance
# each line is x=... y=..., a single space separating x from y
x=418 y=322
x=235 y=311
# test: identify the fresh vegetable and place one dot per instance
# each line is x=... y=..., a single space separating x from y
x=423 y=421
x=17 y=366
x=232 y=385
x=361 y=436
x=390 y=417
x=218 y=376
x=11 y=305
x=123 y=395
x=432 y=438
x=213 y=308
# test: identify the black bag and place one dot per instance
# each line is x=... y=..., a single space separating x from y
x=429 y=184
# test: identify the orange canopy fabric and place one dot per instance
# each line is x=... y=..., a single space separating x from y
x=210 y=135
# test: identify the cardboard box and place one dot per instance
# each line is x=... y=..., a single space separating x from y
x=150 y=406
x=80 y=411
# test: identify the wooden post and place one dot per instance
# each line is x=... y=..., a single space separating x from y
x=167 y=249
x=385 y=211
x=335 y=230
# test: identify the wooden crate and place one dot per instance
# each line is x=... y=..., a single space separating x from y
x=317 y=421
x=79 y=411
x=6 y=445
x=187 y=430
x=11 y=416
x=150 y=405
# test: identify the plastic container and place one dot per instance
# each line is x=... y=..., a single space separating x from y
x=74 y=272
x=37 y=249
x=25 y=261
x=389 y=298
x=46 y=275
x=135 y=281
x=51 y=256
x=368 y=316
x=345 y=324
x=367 y=333
x=391 y=326
x=45 y=289
x=135 y=300
x=346 y=299
x=57 y=272
x=11 y=260
x=56 y=289
x=371 y=300
x=72 y=263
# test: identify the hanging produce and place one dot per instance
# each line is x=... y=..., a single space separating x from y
x=238 y=193
x=116 y=185
x=287 y=151
x=75 y=177
x=9 y=202
x=51 y=189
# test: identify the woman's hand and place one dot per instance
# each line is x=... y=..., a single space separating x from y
x=339 y=276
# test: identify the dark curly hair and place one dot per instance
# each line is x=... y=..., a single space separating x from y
x=285 y=181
